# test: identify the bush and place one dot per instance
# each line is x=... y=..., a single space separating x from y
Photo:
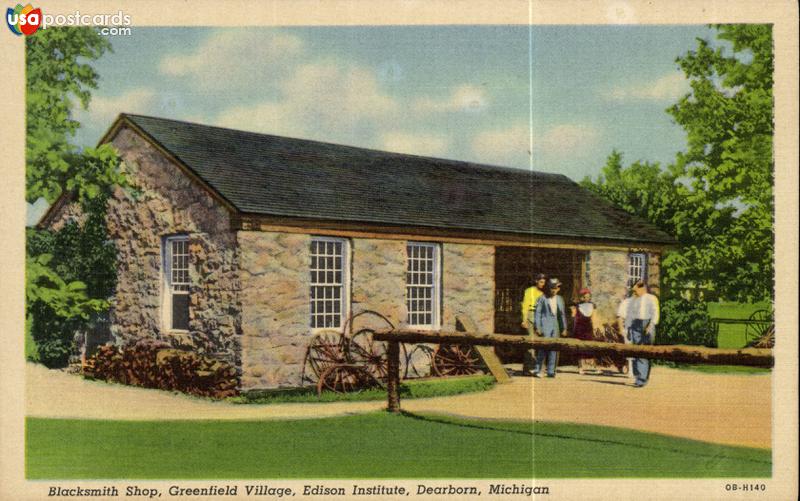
x=155 y=364
x=52 y=335
x=71 y=273
x=685 y=322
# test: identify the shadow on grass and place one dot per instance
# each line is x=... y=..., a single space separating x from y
x=645 y=442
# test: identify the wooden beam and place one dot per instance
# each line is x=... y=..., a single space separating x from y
x=354 y=229
x=751 y=357
x=393 y=373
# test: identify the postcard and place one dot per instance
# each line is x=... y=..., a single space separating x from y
x=402 y=249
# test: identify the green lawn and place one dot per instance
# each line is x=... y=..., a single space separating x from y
x=721 y=369
x=732 y=336
x=412 y=388
x=377 y=445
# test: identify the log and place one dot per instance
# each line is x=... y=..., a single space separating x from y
x=751 y=357
x=393 y=381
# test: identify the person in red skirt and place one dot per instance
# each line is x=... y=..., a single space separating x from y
x=583 y=328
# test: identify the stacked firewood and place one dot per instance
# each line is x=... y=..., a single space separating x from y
x=154 y=364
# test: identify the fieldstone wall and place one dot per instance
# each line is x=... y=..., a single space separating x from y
x=165 y=202
x=70 y=212
x=274 y=275
x=654 y=272
x=378 y=282
x=608 y=273
x=468 y=285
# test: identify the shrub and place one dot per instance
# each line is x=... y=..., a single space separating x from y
x=52 y=335
x=685 y=322
x=70 y=274
x=154 y=364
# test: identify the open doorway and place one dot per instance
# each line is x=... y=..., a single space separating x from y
x=515 y=269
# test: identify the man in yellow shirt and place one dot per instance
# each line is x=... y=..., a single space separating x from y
x=532 y=295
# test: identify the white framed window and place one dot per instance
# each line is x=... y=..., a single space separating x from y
x=423 y=293
x=637 y=267
x=175 y=304
x=330 y=278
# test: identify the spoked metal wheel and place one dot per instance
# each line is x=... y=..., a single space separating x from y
x=345 y=378
x=326 y=349
x=456 y=360
x=371 y=354
x=762 y=320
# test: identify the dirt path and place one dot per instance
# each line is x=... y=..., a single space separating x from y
x=726 y=409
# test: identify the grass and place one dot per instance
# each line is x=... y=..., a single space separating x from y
x=719 y=369
x=732 y=336
x=420 y=388
x=376 y=445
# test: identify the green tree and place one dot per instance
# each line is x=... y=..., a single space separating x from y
x=70 y=273
x=716 y=199
x=728 y=117
x=58 y=75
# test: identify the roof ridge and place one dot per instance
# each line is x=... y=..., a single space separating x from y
x=465 y=163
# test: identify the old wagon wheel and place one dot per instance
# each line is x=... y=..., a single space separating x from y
x=456 y=360
x=327 y=348
x=364 y=350
x=349 y=322
x=767 y=340
x=345 y=378
x=760 y=321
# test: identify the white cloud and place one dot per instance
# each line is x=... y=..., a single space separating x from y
x=103 y=110
x=228 y=58
x=667 y=88
x=508 y=146
x=469 y=98
x=512 y=145
x=325 y=100
x=566 y=139
x=415 y=144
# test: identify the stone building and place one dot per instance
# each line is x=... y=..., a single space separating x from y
x=242 y=245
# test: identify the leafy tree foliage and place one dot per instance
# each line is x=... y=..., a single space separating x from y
x=717 y=198
x=70 y=273
x=57 y=74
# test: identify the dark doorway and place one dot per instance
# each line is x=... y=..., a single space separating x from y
x=515 y=268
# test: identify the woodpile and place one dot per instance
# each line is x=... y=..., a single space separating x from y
x=154 y=364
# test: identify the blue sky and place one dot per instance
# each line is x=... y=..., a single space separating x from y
x=472 y=93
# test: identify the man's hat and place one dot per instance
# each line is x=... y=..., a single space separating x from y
x=584 y=291
x=554 y=282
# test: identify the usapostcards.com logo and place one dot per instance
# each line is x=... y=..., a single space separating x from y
x=26 y=20
x=23 y=20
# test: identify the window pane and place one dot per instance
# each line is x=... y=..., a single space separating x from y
x=328 y=262
x=180 y=311
x=422 y=290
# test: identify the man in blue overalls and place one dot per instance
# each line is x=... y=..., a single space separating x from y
x=640 y=321
x=549 y=320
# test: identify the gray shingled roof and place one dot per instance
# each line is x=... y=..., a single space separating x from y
x=280 y=176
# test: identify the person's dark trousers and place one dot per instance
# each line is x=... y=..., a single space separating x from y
x=641 y=366
x=550 y=356
x=529 y=357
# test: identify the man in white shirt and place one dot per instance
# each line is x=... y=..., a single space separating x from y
x=640 y=321
x=622 y=313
